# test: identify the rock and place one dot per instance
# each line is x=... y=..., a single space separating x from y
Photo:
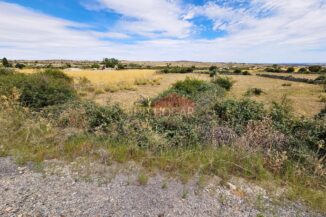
x=231 y=186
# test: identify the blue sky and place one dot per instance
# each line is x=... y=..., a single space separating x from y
x=202 y=30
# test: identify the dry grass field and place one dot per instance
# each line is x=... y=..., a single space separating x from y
x=305 y=98
x=126 y=87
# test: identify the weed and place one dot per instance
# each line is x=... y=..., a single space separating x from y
x=184 y=193
x=254 y=92
x=142 y=179
x=164 y=185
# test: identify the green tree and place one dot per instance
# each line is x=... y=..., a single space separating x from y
x=5 y=62
x=302 y=70
x=110 y=63
x=290 y=70
x=314 y=68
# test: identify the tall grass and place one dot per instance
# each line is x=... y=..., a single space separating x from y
x=117 y=80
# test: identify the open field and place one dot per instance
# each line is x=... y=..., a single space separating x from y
x=130 y=91
x=273 y=90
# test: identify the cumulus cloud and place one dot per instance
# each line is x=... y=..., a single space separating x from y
x=151 y=18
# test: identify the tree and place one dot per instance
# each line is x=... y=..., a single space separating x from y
x=290 y=70
x=95 y=66
x=314 y=68
x=237 y=71
x=110 y=63
x=213 y=68
x=302 y=70
x=5 y=62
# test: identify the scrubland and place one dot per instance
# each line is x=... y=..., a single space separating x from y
x=256 y=128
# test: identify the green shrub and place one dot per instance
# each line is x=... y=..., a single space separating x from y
x=290 y=70
x=190 y=87
x=239 y=113
x=102 y=118
x=95 y=66
x=9 y=80
x=212 y=68
x=314 y=69
x=322 y=113
x=237 y=71
x=56 y=74
x=224 y=82
x=177 y=69
x=180 y=131
x=254 y=91
x=39 y=90
x=20 y=66
x=303 y=70
x=245 y=73
x=6 y=71
x=110 y=63
x=321 y=78
x=5 y=62
x=212 y=73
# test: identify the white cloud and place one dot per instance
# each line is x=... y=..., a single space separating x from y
x=150 y=17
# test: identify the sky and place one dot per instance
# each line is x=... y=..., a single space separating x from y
x=244 y=31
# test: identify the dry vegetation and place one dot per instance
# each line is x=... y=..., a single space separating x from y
x=126 y=87
x=53 y=116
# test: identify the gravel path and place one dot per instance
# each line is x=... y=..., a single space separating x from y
x=24 y=192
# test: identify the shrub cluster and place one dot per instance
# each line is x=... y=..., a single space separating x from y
x=177 y=69
x=254 y=91
x=39 y=90
x=224 y=82
x=263 y=140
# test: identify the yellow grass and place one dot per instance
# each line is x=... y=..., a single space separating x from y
x=106 y=77
x=305 y=98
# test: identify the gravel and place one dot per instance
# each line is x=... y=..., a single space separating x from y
x=63 y=190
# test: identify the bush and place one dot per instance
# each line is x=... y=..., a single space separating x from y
x=254 y=91
x=103 y=118
x=237 y=71
x=190 y=87
x=212 y=73
x=239 y=113
x=245 y=73
x=321 y=78
x=57 y=74
x=314 y=69
x=5 y=62
x=290 y=70
x=212 y=68
x=110 y=63
x=274 y=69
x=303 y=70
x=177 y=69
x=39 y=90
x=19 y=66
x=6 y=71
x=224 y=82
x=95 y=66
